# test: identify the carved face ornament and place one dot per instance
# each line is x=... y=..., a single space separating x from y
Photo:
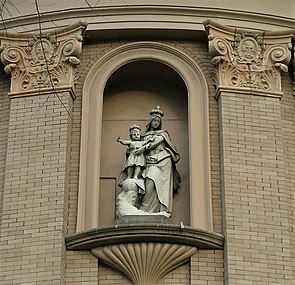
x=42 y=51
x=248 y=50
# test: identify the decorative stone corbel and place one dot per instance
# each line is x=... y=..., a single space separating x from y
x=246 y=60
x=145 y=263
x=144 y=249
x=42 y=61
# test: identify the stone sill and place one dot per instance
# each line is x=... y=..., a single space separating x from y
x=144 y=232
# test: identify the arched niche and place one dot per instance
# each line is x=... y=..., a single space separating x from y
x=92 y=148
x=130 y=93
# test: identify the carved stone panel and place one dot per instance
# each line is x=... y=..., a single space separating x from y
x=252 y=60
x=42 y=60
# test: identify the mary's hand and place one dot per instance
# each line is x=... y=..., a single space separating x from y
x=140 y=150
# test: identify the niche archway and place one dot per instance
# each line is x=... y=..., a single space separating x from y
x=197 y=121
x=130 y=93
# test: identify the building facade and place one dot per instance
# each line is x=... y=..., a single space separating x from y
x=75 y=76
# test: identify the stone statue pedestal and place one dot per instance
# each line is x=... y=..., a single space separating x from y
x=144 y=219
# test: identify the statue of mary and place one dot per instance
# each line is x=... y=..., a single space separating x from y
x=159 y=179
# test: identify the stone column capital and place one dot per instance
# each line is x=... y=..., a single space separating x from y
x=42 y=61
x=247 y=60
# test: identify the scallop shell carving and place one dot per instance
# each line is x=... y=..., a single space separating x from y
x=144 y=263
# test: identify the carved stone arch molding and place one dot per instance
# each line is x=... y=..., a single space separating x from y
x=92 y=107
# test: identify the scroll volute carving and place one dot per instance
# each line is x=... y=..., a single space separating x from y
x=247 y=59
x=42 y=60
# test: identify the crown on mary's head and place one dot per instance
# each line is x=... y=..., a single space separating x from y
x=157 y=112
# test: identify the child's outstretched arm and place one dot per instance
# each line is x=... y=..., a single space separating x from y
x=123 y=142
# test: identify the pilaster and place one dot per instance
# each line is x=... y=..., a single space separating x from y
x=34 y=214
x=293 y=65
x=255 y=200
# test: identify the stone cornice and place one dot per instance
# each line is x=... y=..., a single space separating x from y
x=269 y=37
x=167 y=233
x=42 y=61
x=244 y=59
x=183 y=17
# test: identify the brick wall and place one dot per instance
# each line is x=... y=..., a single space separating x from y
x=81 y=268
x=35 y=191
x=288 y=132
x=4 y=121
x=255 y=196
x=207 y=268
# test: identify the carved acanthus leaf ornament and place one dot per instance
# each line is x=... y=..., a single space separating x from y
x=248 y=60
x=42 y=60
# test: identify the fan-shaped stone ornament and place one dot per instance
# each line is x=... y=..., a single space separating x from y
x=144 y=263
